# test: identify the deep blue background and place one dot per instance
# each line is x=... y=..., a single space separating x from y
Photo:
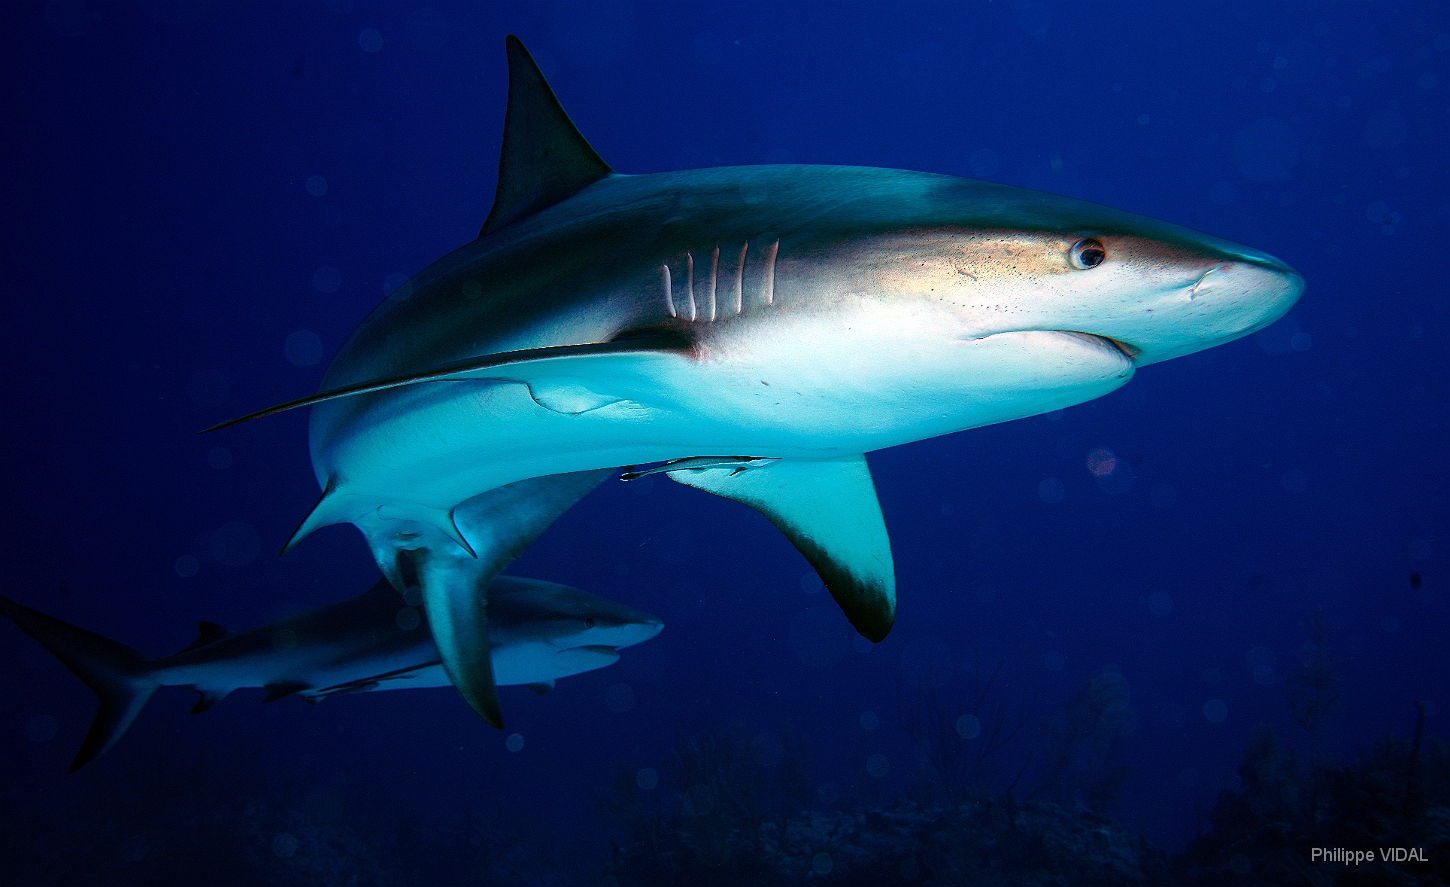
x=161 y=246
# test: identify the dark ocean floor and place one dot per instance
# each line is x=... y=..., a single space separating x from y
x=720 y=813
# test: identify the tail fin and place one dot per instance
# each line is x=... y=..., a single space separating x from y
x=119 y=676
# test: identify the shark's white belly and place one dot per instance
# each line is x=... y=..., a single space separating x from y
x=796 y=389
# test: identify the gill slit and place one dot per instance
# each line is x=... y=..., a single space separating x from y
x=665 y=282
x=769 y=283
x=714 y=273
x=740 y=277
x=690 y=287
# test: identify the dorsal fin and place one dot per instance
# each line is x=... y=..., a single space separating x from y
x=206 y=633
x=545 y=159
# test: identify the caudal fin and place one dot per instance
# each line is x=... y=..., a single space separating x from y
x=119 y=676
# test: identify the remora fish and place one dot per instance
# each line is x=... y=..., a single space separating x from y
x=767 y=325
x=539 y=632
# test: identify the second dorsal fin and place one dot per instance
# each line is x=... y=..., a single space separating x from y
x=545 y=159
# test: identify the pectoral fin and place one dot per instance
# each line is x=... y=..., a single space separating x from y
x=829 y=511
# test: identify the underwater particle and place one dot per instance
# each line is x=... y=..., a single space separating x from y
x=284 y=639
x=1160 y=603
x=302 y=348
x=909 y=869
x=1101 y=462
x=619 y=698
x=370 y=40
x=1415 y=580
x=235 y=544
x=1390 y=624
x=40 y=728
x=698 y=800
x=186 y=566
x=1143 y=119
x=821 y=864
x=1240 y=864
x=219 y=458
x=811 y=583
x=316 y=186
x=1188 y=777
x=986 y=594
x=1051 y=490
x=1295 y=481
x=1263 y=664
x=1216 y=711
x=515 y=742
x=327 y=279
x=408 y=619
x=870 y=720
x=983 y=162
x=878 y=765
x=1054 y=661
x=969 y=726
x=285 y=845
x=646 y=778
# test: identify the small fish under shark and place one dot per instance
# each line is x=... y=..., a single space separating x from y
x=538 y=632
x=756 y=329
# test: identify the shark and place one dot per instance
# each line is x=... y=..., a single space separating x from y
x=539 y=632
x=752 y=332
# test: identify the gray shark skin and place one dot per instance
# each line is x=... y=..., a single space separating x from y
x=756 y=329
x=538 y=632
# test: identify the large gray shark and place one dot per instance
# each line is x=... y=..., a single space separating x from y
x=756 y=329
x=538 y=632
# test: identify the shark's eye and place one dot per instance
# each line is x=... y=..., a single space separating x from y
x=589 y=622
x=1088 y=253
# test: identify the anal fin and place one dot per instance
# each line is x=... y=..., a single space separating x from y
x=829 y=511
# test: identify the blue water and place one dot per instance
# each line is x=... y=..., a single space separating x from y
x=203 y=200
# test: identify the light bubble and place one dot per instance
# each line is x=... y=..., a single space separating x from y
x=235 y=544
x=1051 y=490
x=407 y=619
x=219 y=458
x=1119 y=481
x=1216 y=711
x=1164 y=495
x=370 y=40
x=983 y=162
x=698 y=800
x=1265 y=675
x=1267 y=150
x=870 y=720
x=811 y=583
x=413 y=596
x=619 y=698
x=186 y=566
x=284 y=639
x=1054 y=661
x=515 y=742
x=647 y=778
x=41 y=728
x=285 y=845
x=878 y=765
x=969 y=726
x=1295 y=480
x=821 y=864
x=316 y=186
x=1143 y=119
x=327 y=279
x=1101 y=462
x=1160 y=603
x=303 y=348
